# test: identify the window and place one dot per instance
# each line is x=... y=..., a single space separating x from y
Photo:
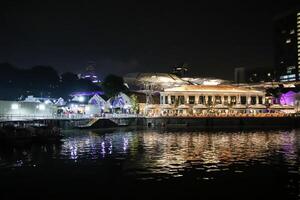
x=260 y=100
x=243 y=100
x=288 y=41
x=181 y=99
x=253 y=100
x=173 y=100
x=201 y=99
x=233 y=99
x=191 y=99
x=218 y=99
x=166 y=99
x=225 y=100
x=209 y=100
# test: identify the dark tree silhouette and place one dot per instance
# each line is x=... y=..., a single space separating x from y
x=41 y=81
x=113 y=85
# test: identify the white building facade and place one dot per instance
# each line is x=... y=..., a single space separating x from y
x=203 y=99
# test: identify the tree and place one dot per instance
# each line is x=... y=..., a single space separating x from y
x=135 y=103
x=69 y=77
x=113 y=85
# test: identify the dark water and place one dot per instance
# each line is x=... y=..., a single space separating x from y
x=152 y=164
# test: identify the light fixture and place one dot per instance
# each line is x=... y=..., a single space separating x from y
x=42 y=107
x=14 y=106
x=81 y=99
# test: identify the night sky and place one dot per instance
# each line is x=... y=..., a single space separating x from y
x=213 y=37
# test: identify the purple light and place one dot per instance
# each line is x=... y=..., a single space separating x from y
x=287 y=98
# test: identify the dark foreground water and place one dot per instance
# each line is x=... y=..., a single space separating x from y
x=152 y=164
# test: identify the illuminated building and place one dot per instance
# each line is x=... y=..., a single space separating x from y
x=201 y=99
x=287 y=46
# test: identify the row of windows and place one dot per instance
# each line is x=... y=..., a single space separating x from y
x=209 y=100
x=288 y=76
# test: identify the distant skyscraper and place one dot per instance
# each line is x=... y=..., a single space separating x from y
x=287 y=46
x=239 y=75
x=254 y=75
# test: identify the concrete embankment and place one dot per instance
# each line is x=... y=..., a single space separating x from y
x=223 y=123
x=205 y=123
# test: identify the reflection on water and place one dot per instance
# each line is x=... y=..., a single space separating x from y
x=163 y=155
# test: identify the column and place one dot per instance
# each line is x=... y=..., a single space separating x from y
x=248 y=99
x=196 y=99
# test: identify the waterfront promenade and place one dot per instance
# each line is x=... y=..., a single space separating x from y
x=238 y=121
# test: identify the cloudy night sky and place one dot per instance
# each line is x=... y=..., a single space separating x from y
x=213 y=37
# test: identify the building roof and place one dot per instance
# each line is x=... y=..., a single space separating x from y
x=211 y=88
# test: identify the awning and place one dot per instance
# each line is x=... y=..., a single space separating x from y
x=166 y=106
x=183 y=107
x=278 y=106
x=220 y=106
x=200 y=106
x=151 y=106
x=257 y=106
x=239 y=106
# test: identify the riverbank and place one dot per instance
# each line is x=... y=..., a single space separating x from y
x=205 y=123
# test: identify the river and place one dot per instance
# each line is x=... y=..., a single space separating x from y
x=148 y=164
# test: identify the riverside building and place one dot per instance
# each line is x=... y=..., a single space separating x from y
x=194 y=100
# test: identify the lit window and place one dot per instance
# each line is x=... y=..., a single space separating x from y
x=292 y=76
x=233 y=99
x=218 y=100
x=225 y=100
x=288 y=41
x=292 y=31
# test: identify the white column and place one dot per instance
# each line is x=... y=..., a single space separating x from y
x=248 y=99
